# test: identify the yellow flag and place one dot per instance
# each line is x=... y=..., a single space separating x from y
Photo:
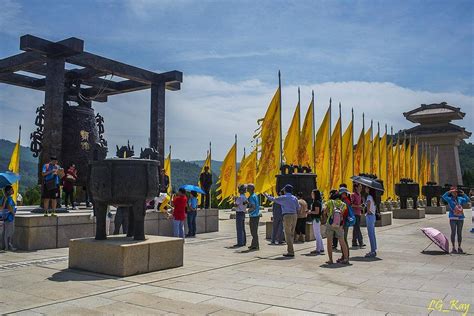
x=14 y=166
x=376 y=155
x=323 y=154
x=415 y=173
x=167 y=167
x=436 y=167
x=207 y=163
x=383 y=164
x=336 y=157
x=306 y=154
x=247 y=169
x=390 y=183
x=408 y=161
x=396 y=162
x=403 y=158
x=348 y=154
x=368 y=151
x=358 y=161
x=227 y=178
x=292 y=139
x=269 y=165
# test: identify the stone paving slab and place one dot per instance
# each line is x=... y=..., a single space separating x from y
x=216 y=280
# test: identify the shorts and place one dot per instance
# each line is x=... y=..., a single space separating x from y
x=300 y=226
x=334 y=232
x=50 y=194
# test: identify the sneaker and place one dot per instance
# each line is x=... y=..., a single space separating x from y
x=362 y=246
x=460 y=251
x=46 y=214
x=314 y=252
x=288 y=255
x=54 y=214
x=12 y=248
x=454 y=250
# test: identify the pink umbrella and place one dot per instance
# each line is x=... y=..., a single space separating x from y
x=436 y=237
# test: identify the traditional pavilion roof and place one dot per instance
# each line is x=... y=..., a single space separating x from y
x=434 y=113
x=439 y=129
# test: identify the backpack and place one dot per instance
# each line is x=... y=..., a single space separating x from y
x=336 y=217
x=350 y=220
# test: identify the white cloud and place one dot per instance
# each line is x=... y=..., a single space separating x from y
x=208 y=109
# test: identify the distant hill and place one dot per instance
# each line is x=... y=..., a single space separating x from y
x=186 y=172
x=28 y=164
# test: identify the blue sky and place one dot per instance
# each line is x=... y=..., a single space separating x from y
x=231 y=51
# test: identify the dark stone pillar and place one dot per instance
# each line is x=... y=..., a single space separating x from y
x=157 y=120
x=53 y=109
x=101 y=221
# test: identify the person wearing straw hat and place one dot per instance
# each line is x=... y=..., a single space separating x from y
x=455 y=199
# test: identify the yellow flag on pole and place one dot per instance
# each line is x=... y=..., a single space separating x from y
x=376 y=155
x=390 y=183
x=348 y=154
x=358 y=153
x=383 y=164
x=14 y=166
x=436 y=167
x=403 y=159
x=167 y=167
x=292 y=139
x=408 y=160
x=368 y=151
x=415 y=173
x=207 y=163
x=247 y=169
x=396 y=162
x=227 y=177
x=336 y=156
x=269 y=165
x=323 y=154
x=306 y=154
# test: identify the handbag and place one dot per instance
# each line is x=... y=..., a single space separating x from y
x=458 y=210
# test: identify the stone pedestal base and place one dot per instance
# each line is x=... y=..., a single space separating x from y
x=467 y=206
x=121 y=256
x=435 y=210
x=309 y=235
x=385 y=220
x=409 y=213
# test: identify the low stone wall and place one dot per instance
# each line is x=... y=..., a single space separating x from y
x=34 y=231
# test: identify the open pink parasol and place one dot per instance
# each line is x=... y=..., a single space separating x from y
x=437 y=237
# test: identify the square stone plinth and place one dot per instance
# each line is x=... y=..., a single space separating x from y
x=435 y=210
x=409 y=213
x=385 y=220
x=122 y=256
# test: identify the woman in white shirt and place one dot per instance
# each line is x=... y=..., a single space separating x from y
x=371 y=209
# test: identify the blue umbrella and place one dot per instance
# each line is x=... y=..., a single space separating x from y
x=190 y=187
x=8 y=178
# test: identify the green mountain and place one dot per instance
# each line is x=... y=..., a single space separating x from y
x=186 y=172
x=28 y=164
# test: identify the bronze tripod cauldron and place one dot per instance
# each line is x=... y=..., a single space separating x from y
x=123 y=182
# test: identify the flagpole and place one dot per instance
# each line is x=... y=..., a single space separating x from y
x=352 y=145
x=363 y=142
x=281 y=133
x=313 y=137
x=386 y=154
x=210 y=170
x=330 y=144
x=340 y=143
x=236 y=163
x=372 y=144
x=378 y=154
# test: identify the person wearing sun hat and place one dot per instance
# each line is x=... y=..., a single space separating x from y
x=455 y=199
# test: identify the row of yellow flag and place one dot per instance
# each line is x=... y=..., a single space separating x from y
x=331 y=154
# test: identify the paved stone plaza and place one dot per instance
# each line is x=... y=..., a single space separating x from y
x=217 y=280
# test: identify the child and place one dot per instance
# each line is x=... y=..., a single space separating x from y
x=8 y=208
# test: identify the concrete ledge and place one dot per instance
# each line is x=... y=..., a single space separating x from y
x=121 y=256
x=435 y=210
x=385 y=220
x=409 y=213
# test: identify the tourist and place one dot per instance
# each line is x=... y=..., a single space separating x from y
x=240 y=208
x=455 y=199
x=335 y=208
x=345 y=197
x=69 y=181
x=164 y=181
x=86 y=196
x=19 y=199
x=300 y=230
x=289 y=209
x=371 y=210
x=179 y=213
x=121 y=219
x=8 y=208
x=277 y=226
x=254 y=215
x=356 y=200
x=51 y=182
x=191 y=214
x=205 y=180
x=315 y=216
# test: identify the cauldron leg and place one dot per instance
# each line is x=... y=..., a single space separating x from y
x=131 y=221
x=139 y=223
x=415 y=202
x=100 y=217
